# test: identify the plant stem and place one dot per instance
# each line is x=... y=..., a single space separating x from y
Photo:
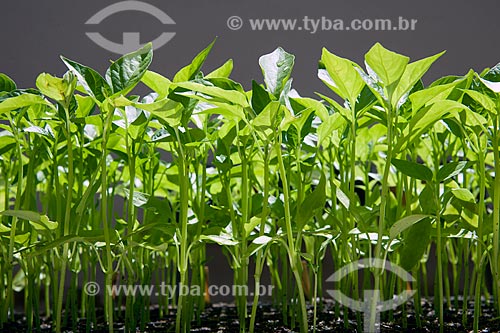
x=67 y=221
x=105 y=223
x=382 y=215
x=9 y=302
x=293 y=255
x=183 y=221
x=496 y=215
x=260 y=258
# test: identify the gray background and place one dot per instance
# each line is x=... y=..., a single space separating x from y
x=36 y=33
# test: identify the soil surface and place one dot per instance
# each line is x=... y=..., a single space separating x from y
x=222 y=318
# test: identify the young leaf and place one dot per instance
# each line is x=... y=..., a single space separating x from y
x=260 y=97
x=93 y=83
x=190 y=71
x=493 y=86
x=345 y=77
x=306 y=103
x=6 y=83
x=463 y=194
x=415 y=244
x=413 y=169
x=231 y=96
x=158 y=83
x=124 y=74
x=276 y=68
x=21 y=101
x=223 y=71
x=60 y=90
x=389 y=66
x=39 y=222
x=219 y=239
x=412 y=74
x=482 y=99
x=450 y=170
x=405 y=223
x=316 y=200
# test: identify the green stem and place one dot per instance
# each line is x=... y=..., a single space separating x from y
x=496 y=216
x=439 y=253
x=67 y=221
x=293 y=256
x=105 y=224
x=259 y=265
x=183 y=220
x=382 y=216
x=9 y=302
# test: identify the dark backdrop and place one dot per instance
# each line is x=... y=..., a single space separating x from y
x=34 y=34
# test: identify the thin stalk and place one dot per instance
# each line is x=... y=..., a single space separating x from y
x=260 y=258
x=9 y=302
x=439 y=249
x=382 y=216
x=293 y=257
x=105 y=223
x=477 y=300
x=496 y=215
x=67 y=221
x=183 y=221
x=242 y=299
x=466 y=283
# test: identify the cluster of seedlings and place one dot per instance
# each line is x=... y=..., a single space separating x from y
x=96 y=180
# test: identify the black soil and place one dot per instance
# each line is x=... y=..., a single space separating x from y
x=222 y=318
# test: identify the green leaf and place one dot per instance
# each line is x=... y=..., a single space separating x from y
x=21 y=101
x=312 y=202
x=250 y=225
x=262 y=240
x=231 y=96
x=404 y=223
x=223 y=71
x=482 y=99
x=427 y=200
x=430 y=95
x=450 y=170
x=415 y=244
x=165 y=110
x=6 y=83
x=463 y=194
x=493 y=86
x=85 y=106
x=158 y=83
x=260 y=97
x=38 y=221
x=190 y=71
x=224 y=240
x=328 y=128
x=124 y=74
x=425 y=118
x=346 y=79
x=389 y=66
x=93 y=83
x=276 y=68
x=412 y=169
x=412 y=74
x=60 y=90
x=309 y=103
